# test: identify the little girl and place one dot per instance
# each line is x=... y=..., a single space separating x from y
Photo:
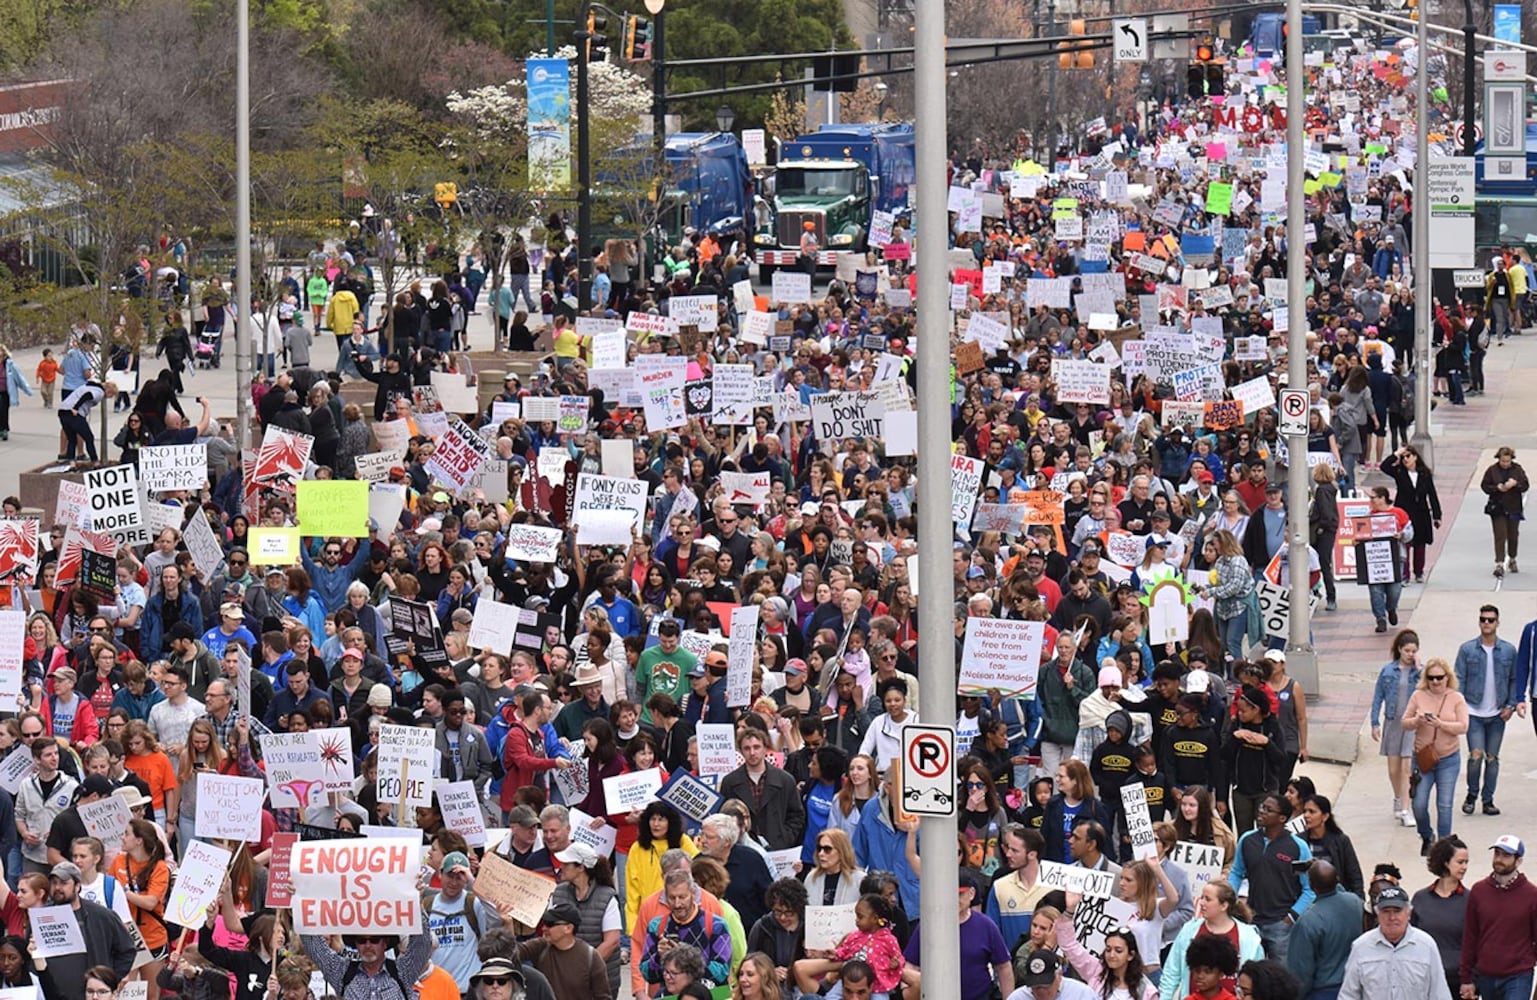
x=871 y=942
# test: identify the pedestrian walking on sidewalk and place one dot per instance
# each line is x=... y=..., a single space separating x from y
x=1499 y=948
x=1505 y=484
x=1437 y=715
x=1396 y=683
x=1486 y=675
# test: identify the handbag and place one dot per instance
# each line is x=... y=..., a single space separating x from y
x=1425 y=757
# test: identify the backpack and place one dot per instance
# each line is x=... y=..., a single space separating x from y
x=429 y=900
x=496 y=735
x=353 y=968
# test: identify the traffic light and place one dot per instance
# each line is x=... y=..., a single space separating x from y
x=1068 y=55
x=1206 y=75
x=637 y=39
x=597 y=37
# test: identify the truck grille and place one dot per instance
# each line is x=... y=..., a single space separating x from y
x=790 y=224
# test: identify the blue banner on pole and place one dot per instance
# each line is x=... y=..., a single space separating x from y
x=1507 y=23
x=549 y=124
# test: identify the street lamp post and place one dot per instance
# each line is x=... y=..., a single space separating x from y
x=1469 y=77
x=724 y=119
x=243 y=299
x=1424 y=302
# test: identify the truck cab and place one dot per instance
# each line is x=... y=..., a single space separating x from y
x=835 y=179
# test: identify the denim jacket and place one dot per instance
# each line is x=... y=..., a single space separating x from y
x=1387 y=683
x=1470 y=672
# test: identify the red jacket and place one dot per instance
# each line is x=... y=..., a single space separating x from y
x=85 y=729
x=521 y=762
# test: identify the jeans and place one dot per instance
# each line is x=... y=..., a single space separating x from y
x=1385 y=599
x=186 y=827
x=1499 y=318
x=1276 y=938
x=519 y=285
x=1484 y=739
x=1454 y=387
x=1324 y=993
x=1235 y=634
x=1444 y=777
x=1053 y=754
x=77 y=431
x=1505 y=987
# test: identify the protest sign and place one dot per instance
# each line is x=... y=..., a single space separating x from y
x=1099 y=916
x=1202 y=862
x=1139 y=823
x=965 y=481
x=749 y=488
x=1255 y=394
x=1088 y=882
x=74 y=504
x=791 y=287
x=356 y=887
x=1000 y=653
x=335 y=747
x=462 y=812
x=333 y=507
x=827 y=926
x=494 y=627
x=160 y=516
x=280 y=883
x=1082 y=382
x=295 y=773
x=114 y=499
x=273 y=546
x=525 y=894
x=1124 y=548
x=717 y=748
x=198 y=879
x=532 y=543
x=458 y=456
x=702 y=311
x=741 y=652
x=690 y=796
x=55 y=931
x=173 y=467
x=229 y=807
x=405 y=773
x=633 y=790
x=17 y=767
x=107 y=818
x=599 y=836
x=839 y=415
x=573 y=414
x=206 y=551
x=601 y=494
x=13 y=639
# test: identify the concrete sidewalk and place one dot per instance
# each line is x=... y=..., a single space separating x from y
x=1445 y=613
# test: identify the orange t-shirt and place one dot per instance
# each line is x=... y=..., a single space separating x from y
x=157 y=772
x=154 y=881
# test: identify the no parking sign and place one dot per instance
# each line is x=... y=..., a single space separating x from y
x=928 y=770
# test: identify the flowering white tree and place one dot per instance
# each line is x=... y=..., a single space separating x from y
x=494 y=142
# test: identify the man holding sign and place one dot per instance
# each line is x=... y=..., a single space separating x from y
x=106 y=938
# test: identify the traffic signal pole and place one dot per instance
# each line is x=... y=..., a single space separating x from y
x=583 y=165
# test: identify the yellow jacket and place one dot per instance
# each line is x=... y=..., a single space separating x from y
x=341 y=311
x=643 y=874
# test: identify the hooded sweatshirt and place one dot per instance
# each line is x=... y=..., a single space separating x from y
x=1111 y=766
x=882 y=847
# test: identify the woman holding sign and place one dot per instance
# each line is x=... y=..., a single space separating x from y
x=141 y=867
x=1121 y=972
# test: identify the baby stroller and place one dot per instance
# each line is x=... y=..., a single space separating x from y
x=207 y=348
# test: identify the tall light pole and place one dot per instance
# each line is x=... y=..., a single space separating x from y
x=244 y=310
x=1424 y=302
x=1300 y=658
x=940 y=957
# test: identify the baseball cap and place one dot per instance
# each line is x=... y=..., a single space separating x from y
x=356 y=654
x=1510 y=844
x=697 y=670
x=429 y=525
x=1089 y=548
x=578 y=854
x=97 y=785
x=1205 y=477
x=232 y=610
x=975 y=572
x=1392 y=898
x=182 y=630
x=1276 y=655
x=1110 y=677
x=455 y=859
x=523 y=816
x=795 y=666
x=1040 y=968
x=1156 y=543
x=1197 y=681
x=441 y=497
x=65 y=869
x=967 y=879
x=563 y=913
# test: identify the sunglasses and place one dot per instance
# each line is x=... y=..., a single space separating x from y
x=495 y=980
x=1435 y=677
x=1490 y=621
x=370 y=939
x=824 y=848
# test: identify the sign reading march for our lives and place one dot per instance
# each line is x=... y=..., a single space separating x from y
x=173 y=467
x=338 y=507
x=1001 y=654
x=839 y=415
x=690 y=796
x=356 y=886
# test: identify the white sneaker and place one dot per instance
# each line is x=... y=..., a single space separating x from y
x=1406 y=817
